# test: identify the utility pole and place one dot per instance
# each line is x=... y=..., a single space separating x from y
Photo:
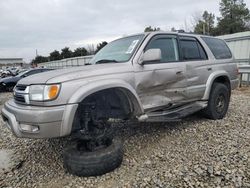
x=208 y=29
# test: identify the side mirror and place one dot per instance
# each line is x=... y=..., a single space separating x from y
x=151 y=55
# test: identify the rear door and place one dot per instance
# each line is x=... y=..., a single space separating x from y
x=162 y=83
x=198 y=67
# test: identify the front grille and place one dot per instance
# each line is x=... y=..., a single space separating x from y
x=19 y=98
x=20 y=93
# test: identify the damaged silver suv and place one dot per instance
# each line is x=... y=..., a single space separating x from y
x=149 y=77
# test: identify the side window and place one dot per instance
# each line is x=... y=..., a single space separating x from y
x=218 y=47
x=168 y=47
x=192 y=50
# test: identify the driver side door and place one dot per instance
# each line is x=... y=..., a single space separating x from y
x=162 y=83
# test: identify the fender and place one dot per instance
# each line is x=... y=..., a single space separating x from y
x=210 y=82
x=95 y=86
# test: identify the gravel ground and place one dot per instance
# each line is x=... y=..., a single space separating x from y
x=192 y=153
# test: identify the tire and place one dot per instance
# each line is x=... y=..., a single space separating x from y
x=218 y=102
x=93 y=163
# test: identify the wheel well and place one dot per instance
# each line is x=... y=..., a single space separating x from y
x=224 y=80
x=113 y=103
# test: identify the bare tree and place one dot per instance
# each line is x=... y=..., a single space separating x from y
x=195 y=18
x=91 y=49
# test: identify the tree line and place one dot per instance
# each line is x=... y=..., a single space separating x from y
x=235 y=17
x=67 y=53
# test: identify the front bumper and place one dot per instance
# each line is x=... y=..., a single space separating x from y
x=49 y=122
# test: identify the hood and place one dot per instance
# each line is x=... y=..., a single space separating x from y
x=67 y=74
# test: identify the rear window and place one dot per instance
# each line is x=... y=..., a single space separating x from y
x=218 y=47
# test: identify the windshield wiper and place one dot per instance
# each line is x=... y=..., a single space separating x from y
x=106 y=61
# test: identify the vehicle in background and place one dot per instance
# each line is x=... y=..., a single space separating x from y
x=13 y=70
x=8 y=84
x=6 y=73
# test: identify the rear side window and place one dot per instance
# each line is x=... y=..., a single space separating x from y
x=192 y=50
x=218 y=47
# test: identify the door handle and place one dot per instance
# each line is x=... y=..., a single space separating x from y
x=179 y=72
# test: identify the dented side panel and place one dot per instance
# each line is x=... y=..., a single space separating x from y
x=197 y=75
x=161 y=84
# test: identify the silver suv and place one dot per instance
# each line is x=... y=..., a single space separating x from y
x=151 y=77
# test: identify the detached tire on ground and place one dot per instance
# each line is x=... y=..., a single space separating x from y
x=218 y=102
x=93 y=163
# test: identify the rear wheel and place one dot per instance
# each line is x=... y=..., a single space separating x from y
x=218 y=102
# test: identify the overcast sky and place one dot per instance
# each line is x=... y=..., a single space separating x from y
x=45 y=25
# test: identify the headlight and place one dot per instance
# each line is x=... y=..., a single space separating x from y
x=43 y=92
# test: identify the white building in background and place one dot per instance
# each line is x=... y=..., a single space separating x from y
x=11 y=62
x=239 y=43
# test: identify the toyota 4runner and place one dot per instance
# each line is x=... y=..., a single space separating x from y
x=149 y=77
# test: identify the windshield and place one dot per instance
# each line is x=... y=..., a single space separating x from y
x=117 y=51
x=22 y=73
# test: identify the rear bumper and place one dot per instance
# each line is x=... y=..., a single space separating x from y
x=234 y=83
x=39 y=122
